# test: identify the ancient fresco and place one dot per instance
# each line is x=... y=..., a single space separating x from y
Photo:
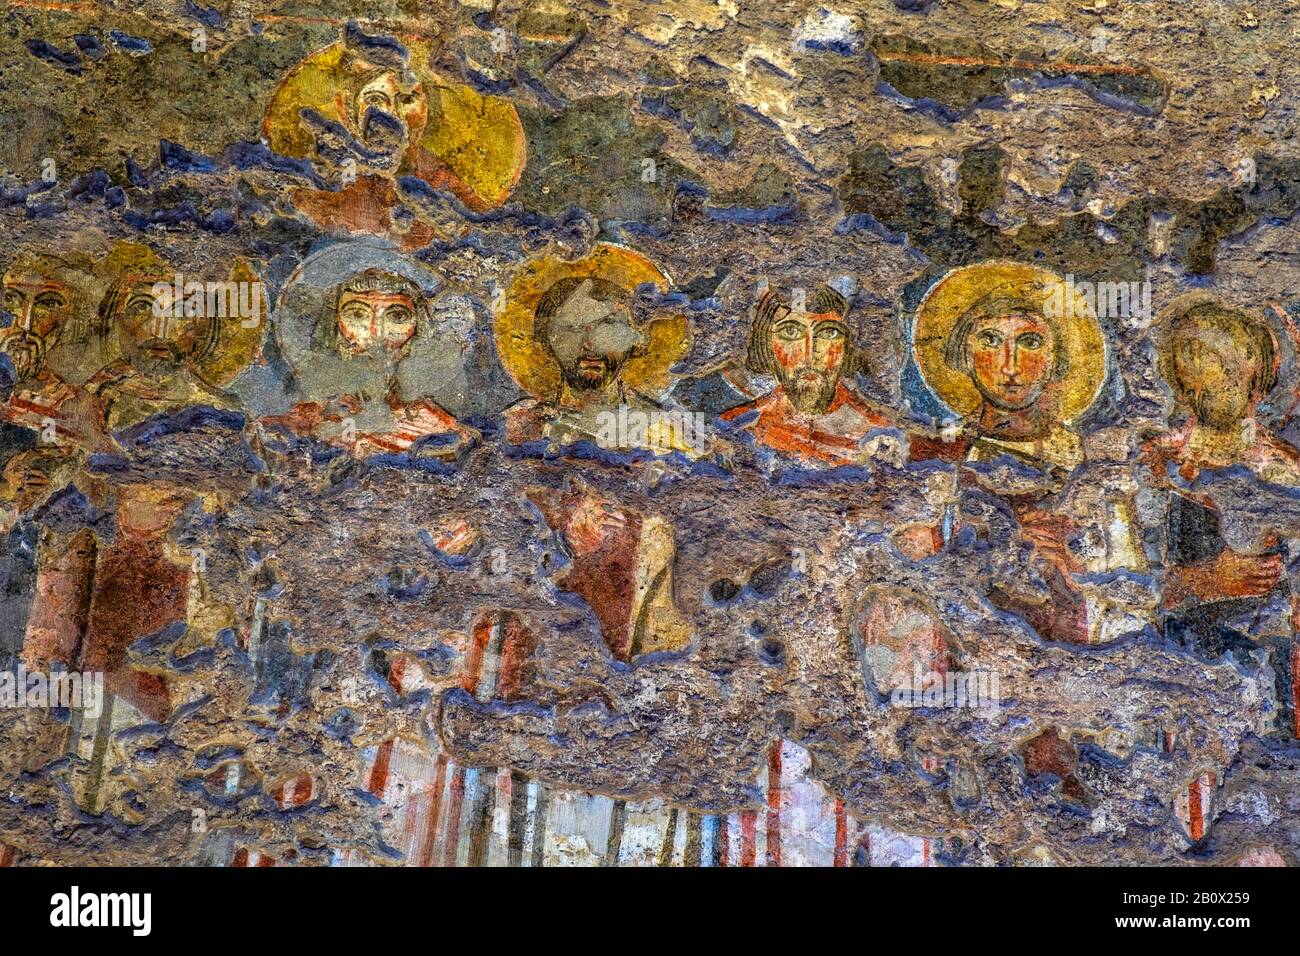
x=676 y=434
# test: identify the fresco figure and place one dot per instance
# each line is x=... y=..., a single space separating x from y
x=356 y=322
x=899 y=638
x=367 y=110
x=567 y=337
x=1221 y=363
x=174 y=352
x=990 y=344
x=50 y=423
x=52 y=339
x=812 y=415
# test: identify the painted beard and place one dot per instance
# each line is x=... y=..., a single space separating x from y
x=591 y=372
x=1214 y=415
x=808 y=390
x=158 y=357
x=386 y=135
x=27 y=352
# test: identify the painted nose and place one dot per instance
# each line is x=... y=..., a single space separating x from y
x=1009 y=359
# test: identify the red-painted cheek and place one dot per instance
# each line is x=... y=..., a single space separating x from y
x=834 y=355
x=1031 y=366
x=986 y=365
x=788 y=356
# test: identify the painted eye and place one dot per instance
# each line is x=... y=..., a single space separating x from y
x=399 y=315
x=1030 y=340
x=790 y=331
x=51 y=300
x=374 y=99
x=830 y=333
x=989 y=339
x=406 y=99
x=139 y=307
x=13 y=300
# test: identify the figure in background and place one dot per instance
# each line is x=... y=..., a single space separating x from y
x=568 y=337
x=53 y=337
x=367 y=112
x=49 y=423
x=177 y=354
x=174 y=351
x=1221 y=362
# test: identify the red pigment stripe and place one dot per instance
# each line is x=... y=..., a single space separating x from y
x=723 y=836
x=425 y=856
x=451 y=834
x=474 y=665
x=379 y=772
x=748 y=827
x=410 y=823
x=7 y=855
x=385 y=445
x=774 y=804
x=32 y=405
x=1197 y=819
x=240 y=858
x=841 y=835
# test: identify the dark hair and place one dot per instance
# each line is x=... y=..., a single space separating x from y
x=1263 y=378
x=120 y=291
x=326 y=334
x=553 y=299
x=823 y=299
x=956 y=350
x=82 y=325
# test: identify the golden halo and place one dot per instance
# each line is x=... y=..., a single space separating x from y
x=949 y=298
x=667 y=339
x=237 y=345
x=480 y=139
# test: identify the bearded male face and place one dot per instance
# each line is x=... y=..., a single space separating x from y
x=40 y=307
x=809 y=351
x=590 y=335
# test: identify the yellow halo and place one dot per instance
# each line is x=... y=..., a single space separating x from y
x=527 y=361
x=478 y=138
x=1078 y=332
x=237 y=345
